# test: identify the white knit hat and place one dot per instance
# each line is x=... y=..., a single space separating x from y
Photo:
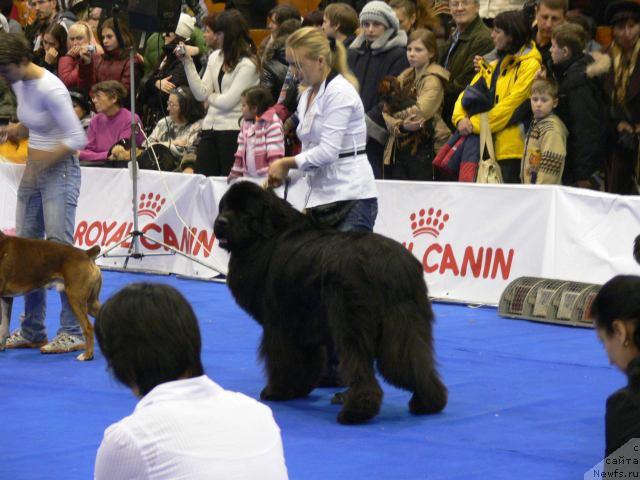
x=185 y=27
x=380 y=12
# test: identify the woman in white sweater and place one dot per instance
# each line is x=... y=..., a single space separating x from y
x=230 y=70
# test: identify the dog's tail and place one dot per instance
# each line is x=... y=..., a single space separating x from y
x=93 y=252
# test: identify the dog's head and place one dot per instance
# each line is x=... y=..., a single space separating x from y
x=249 y=214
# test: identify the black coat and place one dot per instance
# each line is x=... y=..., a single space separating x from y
x=370 y=66
x=622 y=420
x=583 y=109
x=274 y=71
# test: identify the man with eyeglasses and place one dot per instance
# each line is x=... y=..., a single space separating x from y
x=47 y=13
x=470 y=38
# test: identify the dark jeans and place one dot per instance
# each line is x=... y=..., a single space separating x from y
x=510 y=169
x=361 y=217
x=216 y=149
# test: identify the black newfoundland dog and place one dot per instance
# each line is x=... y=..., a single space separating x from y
x=311 y=286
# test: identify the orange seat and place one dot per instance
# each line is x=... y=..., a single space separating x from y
x=214 y=7
x=258 y=34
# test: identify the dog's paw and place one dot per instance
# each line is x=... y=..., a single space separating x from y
x=84 y=357
x=355 y=417
x=269 y=393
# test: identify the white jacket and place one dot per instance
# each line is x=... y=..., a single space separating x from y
x=224 y=103
x=333 y=125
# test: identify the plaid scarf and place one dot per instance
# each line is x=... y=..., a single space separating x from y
x=623 y=69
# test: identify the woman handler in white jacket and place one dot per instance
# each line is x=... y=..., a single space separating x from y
x=333 y=134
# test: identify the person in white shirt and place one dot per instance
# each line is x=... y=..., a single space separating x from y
x=333 y=133
x=230 y=71
x=185 y=426
x=50 y=186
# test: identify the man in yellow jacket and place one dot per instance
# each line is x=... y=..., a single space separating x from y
x=509 y=78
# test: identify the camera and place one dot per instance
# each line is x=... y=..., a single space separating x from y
x=180 y=50
x=91 y=49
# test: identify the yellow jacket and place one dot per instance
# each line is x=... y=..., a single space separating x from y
x=513 y=89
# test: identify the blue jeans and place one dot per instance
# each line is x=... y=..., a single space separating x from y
x=361 y=217
x=46 y=208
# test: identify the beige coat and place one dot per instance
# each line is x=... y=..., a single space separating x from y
x=428 y=86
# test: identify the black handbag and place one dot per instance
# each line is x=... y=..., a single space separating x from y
x=331 y=214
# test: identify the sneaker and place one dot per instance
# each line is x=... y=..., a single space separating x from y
x=64 y=343
x=16 y=340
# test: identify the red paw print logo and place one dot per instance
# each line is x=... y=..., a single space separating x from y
x=428 y=222
x=150 y=204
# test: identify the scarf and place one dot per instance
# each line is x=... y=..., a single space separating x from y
x=623 y=69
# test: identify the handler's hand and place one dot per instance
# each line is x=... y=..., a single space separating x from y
x=278 y=171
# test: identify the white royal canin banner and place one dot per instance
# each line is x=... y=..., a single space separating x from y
x=472 y=240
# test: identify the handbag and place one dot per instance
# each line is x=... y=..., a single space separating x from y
x=488 y=169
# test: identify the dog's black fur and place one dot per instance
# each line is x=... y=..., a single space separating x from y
x=309 y=286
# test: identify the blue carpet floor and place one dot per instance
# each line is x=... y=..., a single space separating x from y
x=526 y=401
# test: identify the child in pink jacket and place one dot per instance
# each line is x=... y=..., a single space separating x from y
x=261 y=137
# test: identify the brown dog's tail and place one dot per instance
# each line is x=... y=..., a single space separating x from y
x=93 y=252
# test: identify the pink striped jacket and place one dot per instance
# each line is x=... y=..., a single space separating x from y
x=266 y=136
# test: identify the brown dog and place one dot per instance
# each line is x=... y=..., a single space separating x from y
x=26 y=265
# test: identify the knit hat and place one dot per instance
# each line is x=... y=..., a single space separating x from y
x=622 y=10
x=380 y=12
x=185 y=27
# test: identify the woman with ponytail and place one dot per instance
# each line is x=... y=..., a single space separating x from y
x=342 y=191
x=616 y=314
x=332 y=129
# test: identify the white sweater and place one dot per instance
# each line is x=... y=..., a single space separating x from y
x=45 y=108
x=224 y=104
x=193 y=429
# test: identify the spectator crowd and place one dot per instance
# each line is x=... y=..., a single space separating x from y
x=553 y=81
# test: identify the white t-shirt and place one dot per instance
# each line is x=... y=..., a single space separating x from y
x=45 y=108
x=193 y=429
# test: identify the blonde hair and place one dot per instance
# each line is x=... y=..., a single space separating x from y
x=313 y=44
x=87 y=31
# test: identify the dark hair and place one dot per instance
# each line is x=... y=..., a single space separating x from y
x=5 y=7
x=237 y=42
x=555 y=5
x=259 y=97
x=618 y=299
x=127 y=37
x=14 y=48
x=514 y=24
x=149 y=335
x=81 y=98
x=113 y=88
x=190 y=108
x=312 y=19
x=59 y=34
x=585 y=22
x=282 y=12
